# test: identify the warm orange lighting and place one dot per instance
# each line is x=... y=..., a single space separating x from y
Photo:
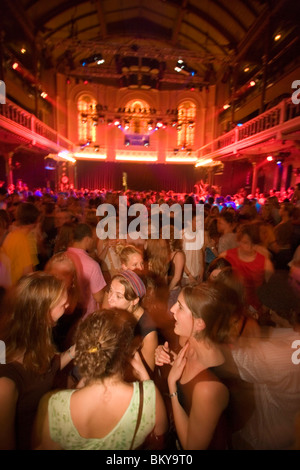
x=246 y=69
x=277 y=37
x=44 y=94
x=204 y=162
x=15 y=65
x=90 y=156
x=252 y=83
x=181 y=159
x=226 y=106
x=23 y=50
x=134 y=158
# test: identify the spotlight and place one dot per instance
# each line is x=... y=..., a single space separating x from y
x=226 y=106
x=15 y=65
x=96 y=58
x=277 y=37
x=252 y=83
x=269 y=158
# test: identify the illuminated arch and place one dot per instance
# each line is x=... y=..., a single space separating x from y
x=138 y=115
x=86 y=106
x=186 y=124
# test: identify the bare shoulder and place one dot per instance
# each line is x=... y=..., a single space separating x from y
x=211 y=392
x=8 y=389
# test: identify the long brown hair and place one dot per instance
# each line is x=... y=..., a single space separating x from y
x=28 y=327
x=158 y=257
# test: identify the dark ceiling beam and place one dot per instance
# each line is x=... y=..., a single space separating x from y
x=258 y=28
x=207 y=37
x=230 y=13
x=18 y=12
x=64 y=25
x=250 y=7
x=179 y=19
x=62 y=7
x=218 y=26
x=101 y=18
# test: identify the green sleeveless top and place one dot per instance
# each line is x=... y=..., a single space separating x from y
x=63 y=431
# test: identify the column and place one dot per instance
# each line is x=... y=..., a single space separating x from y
x=254 y=178
x=8 y=167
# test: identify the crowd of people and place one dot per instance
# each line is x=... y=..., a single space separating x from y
x=146 y=343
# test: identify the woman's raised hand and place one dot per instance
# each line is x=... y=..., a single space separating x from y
x=163 y=355
x=177 y=367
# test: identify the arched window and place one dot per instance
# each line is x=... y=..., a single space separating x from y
x=86 y=107
x=186 y=124
x=137 y=117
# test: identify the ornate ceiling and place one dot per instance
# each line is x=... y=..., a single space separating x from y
x=211 y=36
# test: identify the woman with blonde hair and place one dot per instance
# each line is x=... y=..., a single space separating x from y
x=131 y=257
x=103 y=414
x=37 y=302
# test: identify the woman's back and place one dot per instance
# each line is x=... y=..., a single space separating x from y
x=101 y=417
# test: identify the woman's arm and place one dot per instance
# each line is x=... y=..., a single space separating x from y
x=208 y=402
x=8 y=402
x=150 y=343
x=179 y=262
x=67 y=356
x=161 y=419
x=269 y=269
x=195 y=430
x=41 y=439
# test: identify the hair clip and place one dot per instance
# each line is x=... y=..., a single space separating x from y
x=94 y=350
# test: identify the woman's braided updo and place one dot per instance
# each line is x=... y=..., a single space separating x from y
x=104 y=344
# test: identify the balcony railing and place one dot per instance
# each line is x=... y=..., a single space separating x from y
x=26 y=120
x=284 y=112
